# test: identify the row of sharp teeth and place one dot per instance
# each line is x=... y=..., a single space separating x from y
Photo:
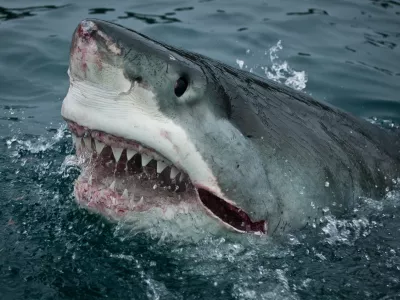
x=132 y=204
x=117 y=152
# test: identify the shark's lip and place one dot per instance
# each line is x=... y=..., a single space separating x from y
x=223 y=210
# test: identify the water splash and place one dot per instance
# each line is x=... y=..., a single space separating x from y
x=39 y=144
x=282 y=72
x=278 y=70
x=384 y=123
x=345 y=231
x=240 y=63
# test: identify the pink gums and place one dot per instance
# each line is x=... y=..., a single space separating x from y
x=111 y=204
x=113 y=141
x=100 y=199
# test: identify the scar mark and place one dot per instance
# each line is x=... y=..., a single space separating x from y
x=165 y=134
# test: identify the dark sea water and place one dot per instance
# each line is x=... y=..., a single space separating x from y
x=342 y=52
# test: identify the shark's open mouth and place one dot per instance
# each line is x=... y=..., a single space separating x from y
x=121 y=176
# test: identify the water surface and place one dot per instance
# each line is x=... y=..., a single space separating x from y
x=342 y=52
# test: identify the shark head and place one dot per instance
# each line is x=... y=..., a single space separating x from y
x=152 y=126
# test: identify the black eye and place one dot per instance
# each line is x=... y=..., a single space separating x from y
x=180 y=86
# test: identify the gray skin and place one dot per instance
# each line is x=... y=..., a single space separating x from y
x=280 y=148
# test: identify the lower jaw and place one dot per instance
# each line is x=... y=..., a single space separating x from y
x=142 y=192
x=115 y=206
x=154 y=209
x=121 y=196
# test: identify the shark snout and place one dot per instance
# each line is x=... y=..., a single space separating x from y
x=86 y=28
x=85 y=57
x=84 y=54
x=95 y=56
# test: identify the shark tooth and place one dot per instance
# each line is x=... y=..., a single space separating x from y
x=131 y=204
x=99 y=146
x=145 y=159
x=182 y=177
x=112 y=186
x=73 y=138
x=78 y=142
x=117 y=153
x=174 y=172
x=141 y=201
x=88 y=142
x=90 y=179
x=161 y=166
x=125 y=194
x=130 y=153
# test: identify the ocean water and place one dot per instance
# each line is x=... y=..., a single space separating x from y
x=342 y=52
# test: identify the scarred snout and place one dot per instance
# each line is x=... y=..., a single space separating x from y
x=84 y=52
x=96 y=58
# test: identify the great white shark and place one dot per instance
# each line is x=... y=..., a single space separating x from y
x=160 y=129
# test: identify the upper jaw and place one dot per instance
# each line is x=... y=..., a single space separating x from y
x=118 y=145
x=136 y=116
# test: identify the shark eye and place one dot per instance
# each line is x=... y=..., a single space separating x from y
x=180 y=86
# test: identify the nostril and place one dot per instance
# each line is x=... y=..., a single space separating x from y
x=139 y=79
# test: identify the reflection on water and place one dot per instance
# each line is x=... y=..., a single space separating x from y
x=15 y=13
x=386 y=3
x=99 y=11
x=151 y=19
x=376 y=40
x=384 y=71
x=184 y=8
x=310 y=11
